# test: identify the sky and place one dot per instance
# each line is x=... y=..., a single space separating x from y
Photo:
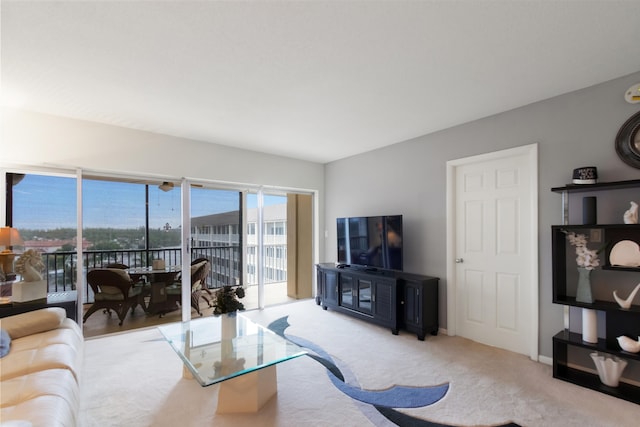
x=49 y=202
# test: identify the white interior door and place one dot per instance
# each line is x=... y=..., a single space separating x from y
x=494 y=279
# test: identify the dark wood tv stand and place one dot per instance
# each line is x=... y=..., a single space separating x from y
x=388 y=298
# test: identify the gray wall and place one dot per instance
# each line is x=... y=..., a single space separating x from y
x=572 y=130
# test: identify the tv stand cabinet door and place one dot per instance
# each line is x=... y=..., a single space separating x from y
x=328 y=284
x=384 y=304
x=421 y=306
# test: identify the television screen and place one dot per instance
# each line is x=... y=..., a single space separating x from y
x=372 y=241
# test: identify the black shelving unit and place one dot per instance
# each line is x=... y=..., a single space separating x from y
x=618 y=321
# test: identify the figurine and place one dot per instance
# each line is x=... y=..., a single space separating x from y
x=30 y=266
x=626 y=303
x=627 y=344
x=631 y=216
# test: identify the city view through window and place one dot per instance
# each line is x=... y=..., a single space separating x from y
x=134 y=223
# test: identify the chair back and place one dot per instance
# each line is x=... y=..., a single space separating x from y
x=117 y=265
x=199 y=276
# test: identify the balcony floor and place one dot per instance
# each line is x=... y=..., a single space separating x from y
x=100 y=324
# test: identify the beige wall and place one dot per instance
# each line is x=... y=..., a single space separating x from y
x=43 y=140
x=39 y=140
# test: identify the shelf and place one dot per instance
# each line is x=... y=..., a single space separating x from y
x=585 y=379
x=575 y=339
x=596 y=305
x=618 y=321
x=583 y=188
x=614 y=268
x=598 y=226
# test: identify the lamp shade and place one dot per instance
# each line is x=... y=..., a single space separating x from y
x=10 y=237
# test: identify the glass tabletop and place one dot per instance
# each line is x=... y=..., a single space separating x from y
x=217 y=348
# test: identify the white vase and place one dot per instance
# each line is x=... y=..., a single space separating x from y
x=609 y=369
x=228 y=332
x=589 y=325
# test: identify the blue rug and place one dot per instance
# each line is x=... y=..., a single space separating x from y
x=383 y=400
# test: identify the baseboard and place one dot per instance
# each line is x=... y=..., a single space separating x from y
x=545 y=359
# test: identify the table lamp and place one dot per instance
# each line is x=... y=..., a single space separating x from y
x=8 y=237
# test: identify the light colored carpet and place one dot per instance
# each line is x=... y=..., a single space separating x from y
x=135 y=379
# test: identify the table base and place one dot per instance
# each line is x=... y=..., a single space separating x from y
x=248 y=392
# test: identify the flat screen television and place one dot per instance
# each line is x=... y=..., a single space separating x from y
x=370 y=241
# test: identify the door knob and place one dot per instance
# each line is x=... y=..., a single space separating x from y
x=459 y=260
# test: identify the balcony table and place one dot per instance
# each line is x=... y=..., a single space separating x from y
x=158 y=280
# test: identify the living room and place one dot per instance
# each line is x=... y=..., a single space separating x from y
x=572 y=127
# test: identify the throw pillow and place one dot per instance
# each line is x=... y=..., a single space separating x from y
x=33 y=322
x=5 y=343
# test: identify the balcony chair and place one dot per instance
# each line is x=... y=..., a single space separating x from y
x=209 y=297
x=114 y=290
x=138 y=279
x=199 y=273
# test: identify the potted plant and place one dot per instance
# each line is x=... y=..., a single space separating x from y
x=225 y=305
x=226 y=300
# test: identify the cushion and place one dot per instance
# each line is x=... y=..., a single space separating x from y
x=111 y=293
x=47 y=398
x=33 y=322
x=57 y=349
x=5 y=343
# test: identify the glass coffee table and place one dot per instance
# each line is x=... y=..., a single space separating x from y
x=234 y=351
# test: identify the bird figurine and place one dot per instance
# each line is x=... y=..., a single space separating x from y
x=631 y=216
x=627 y=344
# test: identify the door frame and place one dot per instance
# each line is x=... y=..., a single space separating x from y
x=531 y=152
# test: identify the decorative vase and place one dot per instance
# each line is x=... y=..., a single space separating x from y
x=609 y=368
x=228 y=332
x=228 y=324
x=589 y=325
x=583 y=293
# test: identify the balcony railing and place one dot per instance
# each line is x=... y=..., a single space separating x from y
x=226 y=265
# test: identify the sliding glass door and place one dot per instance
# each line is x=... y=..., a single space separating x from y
x=80 y=221
x=266 y=249
x=216 y=234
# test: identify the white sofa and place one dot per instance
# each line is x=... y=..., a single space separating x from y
x=40 y=375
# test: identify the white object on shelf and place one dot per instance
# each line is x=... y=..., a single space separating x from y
x=631 y=216
x=28 y=291
x=625 y=253
x=626 y=303
x=589 y=325
x=609 y=369
x=627 y=344
x=632 y=95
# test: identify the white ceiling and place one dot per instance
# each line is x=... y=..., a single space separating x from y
x=314 y=80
